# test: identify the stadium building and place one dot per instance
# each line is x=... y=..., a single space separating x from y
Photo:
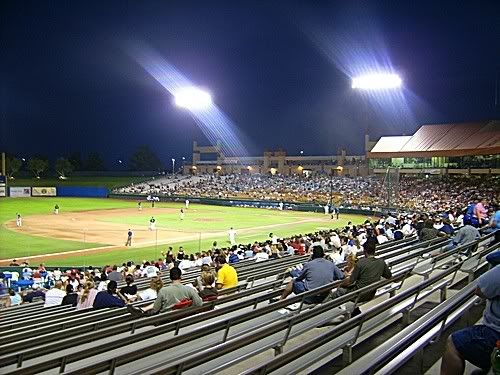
x=462 y=148
x=211 y=159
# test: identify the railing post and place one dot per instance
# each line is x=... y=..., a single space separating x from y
x=443 y=293
x=347 y=355
x=406 y=317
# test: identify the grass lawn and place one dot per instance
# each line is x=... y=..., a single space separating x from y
x=13 y=244
x=108 y=182
x=199 y=221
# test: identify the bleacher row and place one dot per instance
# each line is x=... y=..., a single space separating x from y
x=246 y=330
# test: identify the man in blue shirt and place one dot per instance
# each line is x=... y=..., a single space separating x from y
x=315 y=274
x=475 y=344
x=108 y=298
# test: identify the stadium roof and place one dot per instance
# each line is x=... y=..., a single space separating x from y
x=477 y=138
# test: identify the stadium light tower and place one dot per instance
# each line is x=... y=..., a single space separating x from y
x=377 y=81
x=192 y=98
x=382 y=81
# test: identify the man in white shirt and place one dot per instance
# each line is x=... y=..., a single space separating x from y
x=407 y=229
x=187 y=203
x=260 y=255
x=150 y=271
x=54 y=296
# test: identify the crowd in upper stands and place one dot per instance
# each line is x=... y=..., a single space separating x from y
x=429 y=194
x=449 y=209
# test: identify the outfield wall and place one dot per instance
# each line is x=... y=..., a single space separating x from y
x=82 y=191
x=309 y=207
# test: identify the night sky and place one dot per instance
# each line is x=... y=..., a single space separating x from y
x=280 y=70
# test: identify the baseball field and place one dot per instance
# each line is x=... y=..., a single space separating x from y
x=91 y=231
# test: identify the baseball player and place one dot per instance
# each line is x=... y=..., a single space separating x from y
x=182 y=214
x=281 y=206
x=232 y=236
x=56 y=209
x=139 y=205
x=19 y=220
x=129 y=238
x=152 y=223
x=187 y=203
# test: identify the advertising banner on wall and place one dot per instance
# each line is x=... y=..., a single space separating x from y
x=43 y=191
x=3 y=189
x=18 y=192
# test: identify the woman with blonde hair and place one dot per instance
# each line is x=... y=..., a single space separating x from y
x=86 y=300
x=152 y=292
x=352 y=259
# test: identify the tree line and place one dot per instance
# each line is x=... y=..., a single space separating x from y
x=143 y=159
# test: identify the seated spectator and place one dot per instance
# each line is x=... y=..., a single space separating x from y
x=227 y=277
x=275 y=252
x=155 y=284
x=35 y=292
x=428 y=232
x=315 y=273
x=260 y=255
x=114 y=275
x=71 y=298
x=130 y=290
x=352 y=259
x=169 y=296
x=86 y=300
x=475 y=344
x=233 y=256
x=109 y=297
x=464 y=235
x=381 y=237
x=199 y=280
x=367 y=271
x=447 y=228
x=15 y=298
x=54 y=296
x=150 y=270
x=208 y=291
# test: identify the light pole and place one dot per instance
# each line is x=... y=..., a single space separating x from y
x=379 y=81
x=173 y=166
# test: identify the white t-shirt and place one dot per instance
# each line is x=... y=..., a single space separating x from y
x=54 y=297
x=150 y=271
x=382 y=239
x=148 y=294
x=185 y=264
x=261 y=256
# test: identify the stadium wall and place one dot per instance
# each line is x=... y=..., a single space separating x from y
x=309 y=207
x=82 y=191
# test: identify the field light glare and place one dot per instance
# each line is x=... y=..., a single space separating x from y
x=192 y=98
x=377 y=81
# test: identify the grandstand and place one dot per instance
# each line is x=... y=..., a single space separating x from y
x=246 y=330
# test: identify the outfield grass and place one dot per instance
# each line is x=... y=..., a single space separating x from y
x=199 y=221
x=14 y=244
x=108 y=182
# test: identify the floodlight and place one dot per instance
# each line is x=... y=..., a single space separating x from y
x=377 y=81
x=192 y=98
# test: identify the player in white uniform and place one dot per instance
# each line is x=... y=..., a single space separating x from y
x=327 y=209
x=19 y=220
x=139 y=206
x=182 y=214
x=152 y=223
x=187 y=204
x=56 y=209
x=281 y=206
x=232 y=236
